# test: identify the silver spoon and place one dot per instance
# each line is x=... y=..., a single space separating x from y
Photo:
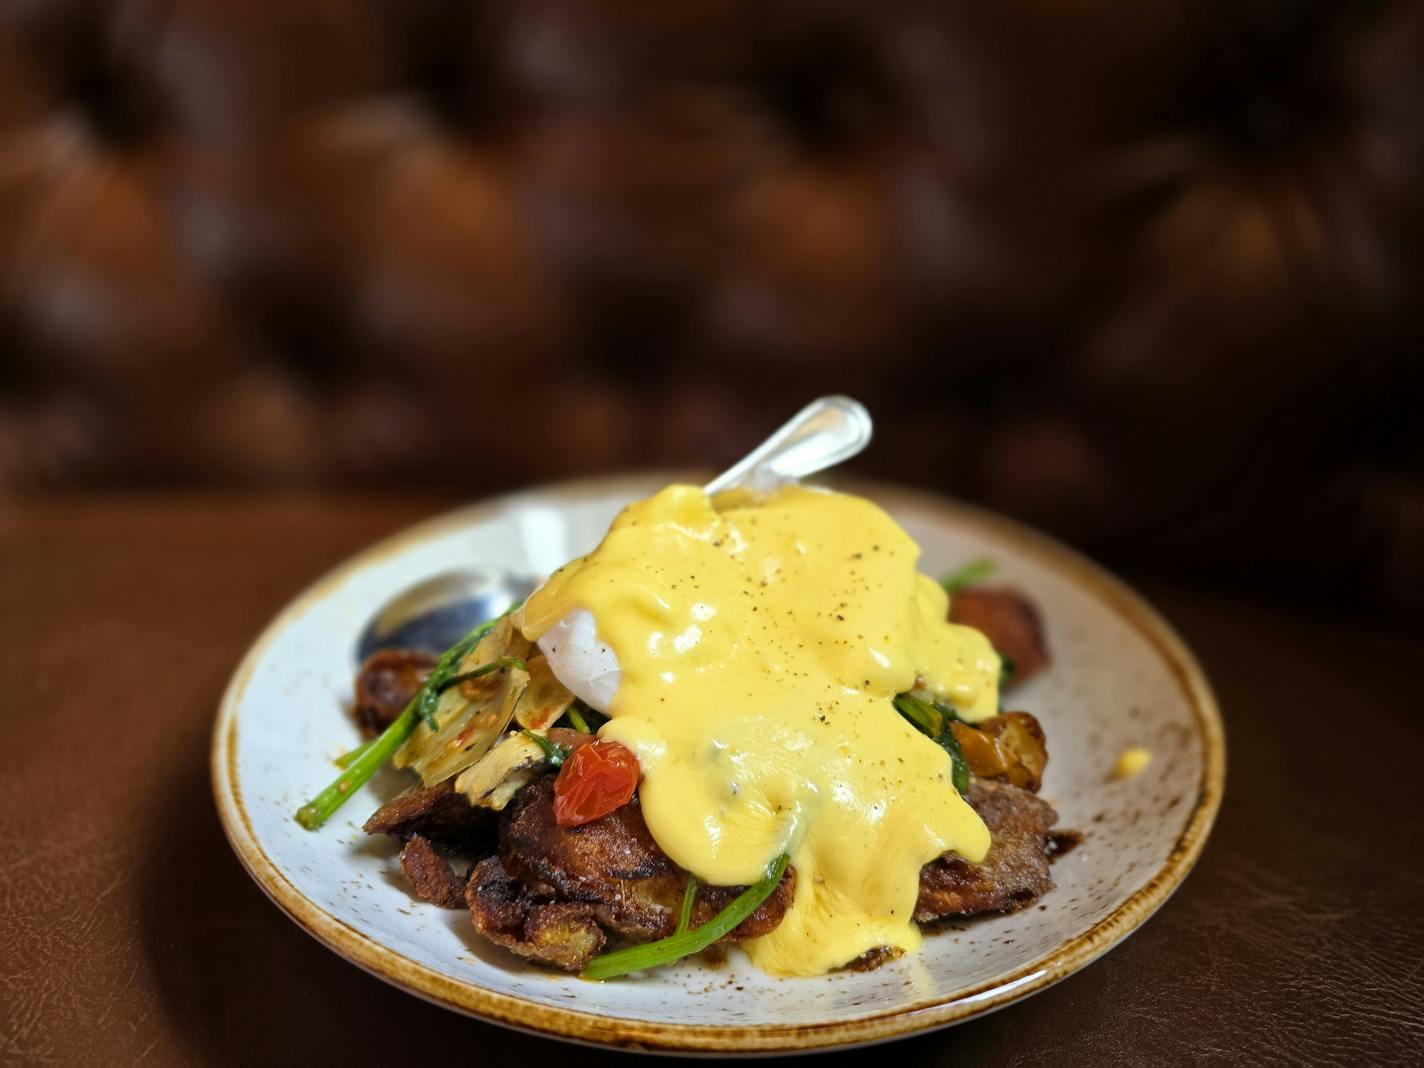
x=434 y=614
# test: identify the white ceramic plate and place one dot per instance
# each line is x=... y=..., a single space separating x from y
x=1120 y=678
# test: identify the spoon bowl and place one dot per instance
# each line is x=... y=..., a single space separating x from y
x=433 y=615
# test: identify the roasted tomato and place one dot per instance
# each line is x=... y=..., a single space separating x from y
x=594 y=780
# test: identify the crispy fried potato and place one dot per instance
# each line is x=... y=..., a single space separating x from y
x=384 y=686
x=613 y=864
x=561 y=934
x=431 y=875
x=1009 y=747
x=440 y=814
x=1013 y=873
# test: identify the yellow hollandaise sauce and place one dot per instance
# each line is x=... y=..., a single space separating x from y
x=760 y=642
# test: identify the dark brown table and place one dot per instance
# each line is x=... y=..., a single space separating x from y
x=130 y=933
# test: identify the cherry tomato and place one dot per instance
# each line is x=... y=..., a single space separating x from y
x=594 y=780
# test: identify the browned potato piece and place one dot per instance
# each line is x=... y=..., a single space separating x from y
x=387 y=682
x=430 y=874
x=1009 y=748
x=563 y=934
x=1015 y=871
x=613 y=864
x=982 y=752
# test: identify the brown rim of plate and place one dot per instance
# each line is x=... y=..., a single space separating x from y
x=761 y=1038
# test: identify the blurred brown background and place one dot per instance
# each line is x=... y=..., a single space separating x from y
x=1147 y=274
x=277 y=277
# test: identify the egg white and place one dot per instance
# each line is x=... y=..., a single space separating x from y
x=587 y=666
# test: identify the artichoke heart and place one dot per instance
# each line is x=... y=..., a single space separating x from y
x=545 y=700
x=502 y=772
x=470 y=715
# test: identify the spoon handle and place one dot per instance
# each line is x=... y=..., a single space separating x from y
x=824 y=433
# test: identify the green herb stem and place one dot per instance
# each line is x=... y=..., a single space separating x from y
x=948 y=742
x=921 y=713
x=689 y=895
x=934 y=719
x=427 y=698
x=367 y=760
x=484 y=669
x=319 y=809
x=582 y=712
x=976 y=570
x=554 y=754
x=685 y=943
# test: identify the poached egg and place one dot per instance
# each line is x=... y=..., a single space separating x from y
x=748 y=650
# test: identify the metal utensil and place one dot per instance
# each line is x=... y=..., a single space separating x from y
x=826 y=432
x=435 y=613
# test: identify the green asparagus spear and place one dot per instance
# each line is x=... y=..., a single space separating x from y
x=368 y=759
x=676 y=946
x=345 y=759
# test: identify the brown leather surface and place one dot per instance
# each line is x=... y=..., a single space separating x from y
x=130 y=933
x=1143 y=273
